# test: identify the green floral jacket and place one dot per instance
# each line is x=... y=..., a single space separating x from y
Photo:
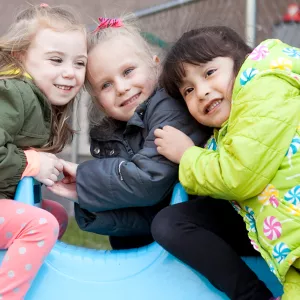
x=254 y=159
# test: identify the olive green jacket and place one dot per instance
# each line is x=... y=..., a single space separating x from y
x=25 y=117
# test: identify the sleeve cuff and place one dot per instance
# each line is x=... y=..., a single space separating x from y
x=33 y=163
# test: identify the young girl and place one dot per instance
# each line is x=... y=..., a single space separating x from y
x=120 y=191
x=42 y=67
x=253 y=158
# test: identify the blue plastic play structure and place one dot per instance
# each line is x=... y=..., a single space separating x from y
x=147 y=273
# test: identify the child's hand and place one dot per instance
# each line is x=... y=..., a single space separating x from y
x=50 y=168
x=69 y=170
x=172 y=143
x=67 y=186
x=66 y=190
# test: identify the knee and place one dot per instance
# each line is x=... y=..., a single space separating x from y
x=47 y=225
x=164 y=227
x=57 y=210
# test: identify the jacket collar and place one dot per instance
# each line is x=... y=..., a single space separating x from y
x=138 y=116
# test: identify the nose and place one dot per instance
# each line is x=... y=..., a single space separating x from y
x=122 y=86
x=203 y=90
x=68 y=71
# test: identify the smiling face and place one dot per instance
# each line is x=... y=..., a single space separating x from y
x=207 y=90
x=56 y=61
x=120 y=76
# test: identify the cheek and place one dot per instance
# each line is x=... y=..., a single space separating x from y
x=192 y=108
x=82 y=76
x=105 y=102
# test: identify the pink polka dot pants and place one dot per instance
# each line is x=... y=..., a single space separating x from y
x=29 y=233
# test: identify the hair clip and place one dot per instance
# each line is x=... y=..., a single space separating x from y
x=44 y=5
x=107 y=22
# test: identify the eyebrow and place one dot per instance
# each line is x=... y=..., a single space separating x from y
x=62 y=53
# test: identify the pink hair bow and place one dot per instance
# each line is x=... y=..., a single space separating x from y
x=44 y=5
x=107 y=22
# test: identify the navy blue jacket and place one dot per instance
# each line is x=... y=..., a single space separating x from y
x=128 y=171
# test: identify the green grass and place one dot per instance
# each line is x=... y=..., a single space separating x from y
x=75 y=236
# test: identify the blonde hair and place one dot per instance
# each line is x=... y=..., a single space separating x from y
x=17 y=40
x=129 y=29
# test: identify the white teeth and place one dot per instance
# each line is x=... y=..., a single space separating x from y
x=130 y=101
x=63 y=87
x=213 y=105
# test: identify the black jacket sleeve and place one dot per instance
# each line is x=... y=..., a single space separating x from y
x=145 y=179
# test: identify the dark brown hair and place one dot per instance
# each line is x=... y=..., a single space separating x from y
x=200 y=46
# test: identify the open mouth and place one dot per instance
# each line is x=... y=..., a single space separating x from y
x=130 y=100
x=63 y=87
x=212 y=105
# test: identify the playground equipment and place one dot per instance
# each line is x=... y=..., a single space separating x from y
x=146 y=273
x=288 y=28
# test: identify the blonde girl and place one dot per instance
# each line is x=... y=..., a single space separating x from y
x=121 y=190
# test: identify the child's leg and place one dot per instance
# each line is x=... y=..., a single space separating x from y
x=59 y=212
x=127 y=227
x=129 y=242
x=29 y=233
x=208 y=235
x=129 y=221
x=291 y=286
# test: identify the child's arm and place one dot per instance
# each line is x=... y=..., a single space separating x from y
x=146 y=178
x=12 y=158
x=263 y=121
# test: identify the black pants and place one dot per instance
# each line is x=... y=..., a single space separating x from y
x=209 y=235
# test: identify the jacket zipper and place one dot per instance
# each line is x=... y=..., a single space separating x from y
x=120 y=164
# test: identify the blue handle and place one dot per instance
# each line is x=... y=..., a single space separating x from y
x=29 y=191
x=179 y=194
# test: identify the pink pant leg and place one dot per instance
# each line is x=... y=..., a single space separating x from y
x=29 y=233
x=59 y=212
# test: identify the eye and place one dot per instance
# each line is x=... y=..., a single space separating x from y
x=127 y=71
x=187 y=91
x=210 y=72
x=106 y=85
x=80 y=63
x=56 y=60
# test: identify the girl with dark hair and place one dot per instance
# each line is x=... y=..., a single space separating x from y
x=252 y=99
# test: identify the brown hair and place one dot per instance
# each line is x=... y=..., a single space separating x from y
x=17 y=41
x=200 y=46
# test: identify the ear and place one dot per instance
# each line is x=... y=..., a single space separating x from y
x=156 y=59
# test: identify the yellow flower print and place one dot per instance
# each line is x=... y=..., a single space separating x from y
x=294 y=210
x=267 y=193
x=282 y=64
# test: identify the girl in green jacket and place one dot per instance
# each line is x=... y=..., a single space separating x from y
x=42 y=67
x=252 y=99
